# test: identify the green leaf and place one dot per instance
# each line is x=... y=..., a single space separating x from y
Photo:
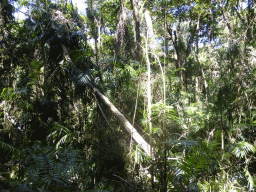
x=23 y=2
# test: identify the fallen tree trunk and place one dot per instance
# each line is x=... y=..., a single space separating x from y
x=135 y=135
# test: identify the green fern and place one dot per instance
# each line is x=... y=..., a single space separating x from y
x=9 y=148
x=49 y=169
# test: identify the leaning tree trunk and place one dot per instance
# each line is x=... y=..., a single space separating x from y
x=128 y=126
x=135 y=135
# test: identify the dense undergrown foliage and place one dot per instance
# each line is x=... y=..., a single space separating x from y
x=128 y=96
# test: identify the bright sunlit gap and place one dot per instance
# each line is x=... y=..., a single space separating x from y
x=19 y=14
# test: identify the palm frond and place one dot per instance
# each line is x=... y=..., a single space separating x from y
x=242 y=148
x=61 y=135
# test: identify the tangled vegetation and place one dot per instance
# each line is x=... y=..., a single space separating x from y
x=128 y=95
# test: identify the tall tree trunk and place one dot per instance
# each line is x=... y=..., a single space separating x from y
x=181 y=58
x=165 y=131
x=149 y=110
x=95 y=33
x=126 y=33
x=136 y=18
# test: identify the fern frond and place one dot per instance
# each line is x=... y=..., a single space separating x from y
x=9 y=148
